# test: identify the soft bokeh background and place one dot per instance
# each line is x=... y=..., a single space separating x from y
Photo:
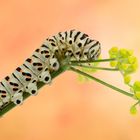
x=68 y=109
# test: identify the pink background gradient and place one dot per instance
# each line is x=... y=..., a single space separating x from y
x=68 y=109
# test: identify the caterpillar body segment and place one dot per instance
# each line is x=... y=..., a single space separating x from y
x=71 y=45
x=14 y=89
x=4 y=95
x=43 y=53
x=26 y=77
x=35 y=65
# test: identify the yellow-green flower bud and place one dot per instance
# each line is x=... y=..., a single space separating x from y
x=113 y=50
x=136 y=86
x=124 y=66
x=137 y=94
x=127 y=79
x=131 y=59
x=113 y=63
x=133 y=110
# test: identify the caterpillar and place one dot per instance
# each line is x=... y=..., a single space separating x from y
x=71 y=45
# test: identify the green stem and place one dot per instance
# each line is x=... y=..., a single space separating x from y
x=11 y=105
x=101 y=82
x=137 y=103
x=92 y=67
x=95 y=61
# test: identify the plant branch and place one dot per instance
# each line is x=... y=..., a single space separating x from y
x=92 y=67
x=101 y=82
x=93 y=61
x=137 y=103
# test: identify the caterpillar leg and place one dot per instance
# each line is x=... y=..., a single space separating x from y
x=54 y=64
x=17 y=98
x=32 y=88
x=45 y=76
x=1 y=103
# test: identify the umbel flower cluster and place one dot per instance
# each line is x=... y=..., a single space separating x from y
x=126 y=63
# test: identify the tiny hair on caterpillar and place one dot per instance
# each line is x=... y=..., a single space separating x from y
x=71 y=45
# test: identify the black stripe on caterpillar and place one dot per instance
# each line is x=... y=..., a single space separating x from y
x=71 y=45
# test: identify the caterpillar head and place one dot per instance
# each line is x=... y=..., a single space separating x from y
x=45 y=76
x=95 y=51
x=92 y=50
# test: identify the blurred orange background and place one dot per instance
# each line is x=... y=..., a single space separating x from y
x=68 y=109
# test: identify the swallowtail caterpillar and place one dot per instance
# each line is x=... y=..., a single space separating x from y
x=71 y=45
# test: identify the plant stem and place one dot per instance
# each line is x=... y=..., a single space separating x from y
x=11 y=105
x=94 y=61
x=92 y=67
x=137 y=103
x=101 y=82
